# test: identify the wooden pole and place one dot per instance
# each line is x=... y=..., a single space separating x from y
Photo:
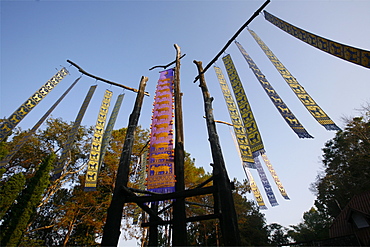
x=179 y=216
x=229 y=226
x=105 y=80
x=233 y=38
x=153 y=228
x=112 y=226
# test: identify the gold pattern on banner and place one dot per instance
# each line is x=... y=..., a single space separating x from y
x=241 y=135
x=108 y=130
x=35 y=127
x=93 y=164
x=255 y=190
x=283 y=109
x=251 y=182
x=249 y=121
x=71 y=136
x=302 y=95
x=160 y=167
x=275 y=177
x=345 y=52
x=9 y=124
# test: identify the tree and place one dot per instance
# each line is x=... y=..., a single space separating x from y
x=9 y=191
x=16 y=221
x=314 y=227
x=75 y=217
x=346 y=173
x=68 y=216
x=252 y=223
x=346 y=161
x=277 y=234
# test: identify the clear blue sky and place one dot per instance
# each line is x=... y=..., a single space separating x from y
x=121 y=40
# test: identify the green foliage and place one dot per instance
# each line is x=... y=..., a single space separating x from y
x=251 y=221
x=347 y=171
x=68 y=216
x=9 y=191
x=277 y=234
x=15 y=223
x=314 y=227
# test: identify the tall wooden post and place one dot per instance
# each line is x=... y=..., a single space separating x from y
x=153 y=229
x=179 y=216
x=112 y=226
x=229 y=226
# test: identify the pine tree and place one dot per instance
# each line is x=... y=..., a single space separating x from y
x=15 y=223
x=9 y=192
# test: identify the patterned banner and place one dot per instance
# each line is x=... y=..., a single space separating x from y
x=95 y=151
x=251 y=182
x=249 y=121
x=283 y=109
x=302 y=95
x=241 y=135
x=348 y=53
x=255 y=190
x=9 y=124
x=265 y=183
x=37 y=125
x=141 y=186
x=71 y=136
x=161 y=176
x=108 y=131
x=275 y=176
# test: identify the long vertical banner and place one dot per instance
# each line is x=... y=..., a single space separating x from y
x=109 y=129
x=161 y=174
x=9 y=124
x=254 y=188
x=141 y=186
x=249 y=122
x=95 y=151
x=345 y=52
x=275 y=177
x=241 y=135
x=250 y=125
x=251 y=182
x=35 y=127
x=283 y=109
x=302 y=95
x=72 y=134
x=265 y=182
